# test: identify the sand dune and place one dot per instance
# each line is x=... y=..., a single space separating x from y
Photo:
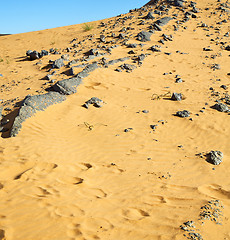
x=129 y=169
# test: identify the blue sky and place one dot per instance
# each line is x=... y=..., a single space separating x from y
x=18 y=16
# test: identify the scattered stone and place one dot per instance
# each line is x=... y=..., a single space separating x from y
x=33 y=55
x=144 y=36
x=179 y=80
x=145 y=111
x=153 y=126
x=128 y=67
x=221 y=107
x=176 y=96
x=183 y=114
x=215 y=157
x=128 y=129
x=96 y=102
x=1 y=75
x=155 y=49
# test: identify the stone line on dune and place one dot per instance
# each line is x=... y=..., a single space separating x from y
x=57 y=93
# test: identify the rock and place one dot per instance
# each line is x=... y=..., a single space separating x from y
x=85 y=72
x=179 y=80
x=176 y=97
x=1 y=75
x=178 y=3
x=163 y=21
x=153 y=126
x=144 y=36
x=183 y=114
x=43 y=53
x=141 y=57
x=111 y=62
x=227 y=48
x=131 y=52
x=128 y=67
x=128 y=129
x=58 y=63
x=102 y=38
x=132 y=45
x=145 y=111
x=32 y=104
x=221 y=107
x=155 y=49
x=215 y=157
x=157 y=27
x=33 y=55
x=207 y=49
x=96 y=102
x=1 y=108
x=149 y=16
x=67 y=86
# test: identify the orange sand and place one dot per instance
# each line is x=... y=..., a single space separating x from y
x=61 y=181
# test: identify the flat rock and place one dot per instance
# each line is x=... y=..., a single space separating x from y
x=32 y=104
x=67 y=86
x=58 y=63
x=144 y=36
x=163 y=21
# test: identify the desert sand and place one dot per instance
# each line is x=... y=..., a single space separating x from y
x=130 y=169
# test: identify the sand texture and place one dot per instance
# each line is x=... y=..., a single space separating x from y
x=97 y=150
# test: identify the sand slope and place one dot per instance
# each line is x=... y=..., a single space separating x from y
x=61 y=180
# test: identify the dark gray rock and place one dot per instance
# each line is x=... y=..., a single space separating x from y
x=141 y=57
x=67 y=86
x=111 y=62
x=85 y=72
x=215 y=157
x=183 y=114
x=221 y=107
x=227 y=48
x=43 y=53
x=1 y=108
x=163 y=21
x=144 y=36
x=33 y=55
x=132 y=45
x=128 y=67
x=102 y=38
x=157 y=27
x=31 y=105
x=96 y=102
x=58 y=63
x=149 y=16
x=155 y=49
x=178 y=3
x=176 y=96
